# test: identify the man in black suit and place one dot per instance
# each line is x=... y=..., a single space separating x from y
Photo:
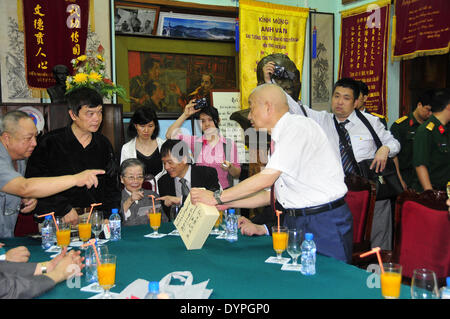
x=174 y=186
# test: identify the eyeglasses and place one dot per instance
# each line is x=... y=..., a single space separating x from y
x=135 y=178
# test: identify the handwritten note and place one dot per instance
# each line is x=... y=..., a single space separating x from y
x=194 y=223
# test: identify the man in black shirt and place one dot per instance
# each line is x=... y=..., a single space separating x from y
x=72 y=149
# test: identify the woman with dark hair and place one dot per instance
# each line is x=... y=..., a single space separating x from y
x=212 y=148
x=145 y=143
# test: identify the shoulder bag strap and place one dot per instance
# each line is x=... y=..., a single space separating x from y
x=370 y=128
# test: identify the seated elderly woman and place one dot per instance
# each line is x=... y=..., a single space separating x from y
x=136 y=202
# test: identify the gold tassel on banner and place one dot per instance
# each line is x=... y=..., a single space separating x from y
x=20 y=15
x=92 y=15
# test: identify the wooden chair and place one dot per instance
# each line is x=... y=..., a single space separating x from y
x=422 y=233
x=360 y=199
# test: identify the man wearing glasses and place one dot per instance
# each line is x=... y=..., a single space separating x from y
x=17 y=142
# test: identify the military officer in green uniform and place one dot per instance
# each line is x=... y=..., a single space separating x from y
x=431 y=153
x=361 y=102
x=404 y=131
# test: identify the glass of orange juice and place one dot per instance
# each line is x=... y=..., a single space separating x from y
x=280 y=240
x=106 y=273
x=63 y=233
x=155 y=221
x=84 y=229
x=391 y=280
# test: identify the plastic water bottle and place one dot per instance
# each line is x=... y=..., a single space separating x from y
x=308 y=259
x=47 y=233
x=115 y=225
x=155 y=293
x=90 y=265
x=232 y=226
x=153 y=290
x=445 y=291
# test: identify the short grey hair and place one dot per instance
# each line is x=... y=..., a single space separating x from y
x=10 y=120
x=129 y=163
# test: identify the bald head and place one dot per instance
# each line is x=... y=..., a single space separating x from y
x=268 y=103
x=273 y=94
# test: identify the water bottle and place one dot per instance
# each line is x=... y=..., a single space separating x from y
x=47 y=233
x=115 y=225
x=445 y=291
x=153 y=290
x=90 y=265
x=232 y=226
x=308 y=259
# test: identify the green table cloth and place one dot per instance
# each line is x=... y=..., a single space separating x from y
x=235 y=270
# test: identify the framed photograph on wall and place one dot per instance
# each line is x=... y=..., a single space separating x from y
x=192 y=26
x=136 y=19
x=321 y=66
x=166 y=73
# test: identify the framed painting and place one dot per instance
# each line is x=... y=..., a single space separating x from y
x=166 y=73
x=321 y=66
x=135 y=19
x=192 y=26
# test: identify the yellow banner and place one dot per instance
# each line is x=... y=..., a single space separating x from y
x=266 y=28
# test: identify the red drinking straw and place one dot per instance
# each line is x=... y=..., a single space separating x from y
x=92 y=208
x=54 y=219
x=92 y=243
x=278 y=216
x=375 y=250
x=153 y=200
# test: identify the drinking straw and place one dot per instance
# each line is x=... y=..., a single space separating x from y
x=92 y=243
x=92 y=208
x=278 y=216
x=54 y=219
x=375 y=250
x=153 y=201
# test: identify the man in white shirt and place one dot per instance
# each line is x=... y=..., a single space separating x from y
x=344 y=101
x=305 y=171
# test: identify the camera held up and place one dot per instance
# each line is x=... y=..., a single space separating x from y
x=200 y=103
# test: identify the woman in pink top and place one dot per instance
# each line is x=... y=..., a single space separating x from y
x=211 y=149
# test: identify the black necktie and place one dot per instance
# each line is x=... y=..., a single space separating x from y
x=346 y=158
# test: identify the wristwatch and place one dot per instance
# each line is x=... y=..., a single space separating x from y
x=217 y=194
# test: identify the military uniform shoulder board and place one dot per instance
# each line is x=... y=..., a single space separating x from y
x=378 y=115
x=430 y=126
x=398 y=121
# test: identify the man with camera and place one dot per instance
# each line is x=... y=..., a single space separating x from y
x=344 y=101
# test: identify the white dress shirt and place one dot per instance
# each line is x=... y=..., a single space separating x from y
x=363 y=144
x=311 y=172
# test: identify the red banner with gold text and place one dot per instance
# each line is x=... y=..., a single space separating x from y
x=363 y=54
x=55 y=33
x=420 y=27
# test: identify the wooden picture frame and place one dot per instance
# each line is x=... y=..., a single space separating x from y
x=143 y=23
x=321 y=67
x=207 y=57
x=192 y=26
